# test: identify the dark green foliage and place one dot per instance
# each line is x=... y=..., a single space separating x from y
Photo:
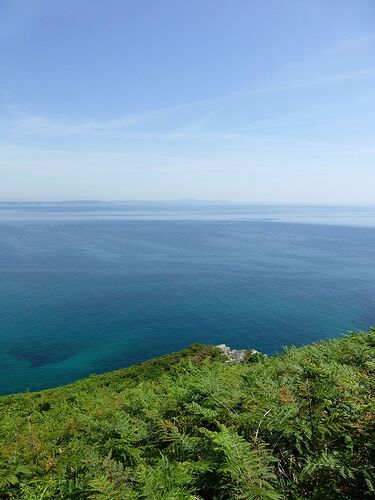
x=191 y=426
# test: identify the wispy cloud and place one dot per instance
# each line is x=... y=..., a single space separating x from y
x=146 y=124
x=202 y=128
x=20 y=124
x=314 y=81
x=349 y=44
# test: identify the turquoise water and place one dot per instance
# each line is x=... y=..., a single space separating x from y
x=87 y=288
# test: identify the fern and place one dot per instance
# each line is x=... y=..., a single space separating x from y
x=190 y=426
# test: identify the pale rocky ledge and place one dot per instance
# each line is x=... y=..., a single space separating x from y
x=236 y=355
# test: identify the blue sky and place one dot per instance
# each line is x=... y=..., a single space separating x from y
x=244 y=100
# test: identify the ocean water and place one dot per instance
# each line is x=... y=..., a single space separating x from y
x=90 y=287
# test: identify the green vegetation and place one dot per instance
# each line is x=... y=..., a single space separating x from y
x=191 y=426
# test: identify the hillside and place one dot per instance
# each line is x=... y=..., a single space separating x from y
x=192 y=426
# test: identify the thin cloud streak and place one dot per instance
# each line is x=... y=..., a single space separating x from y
x=288 y=79
x=28 y=125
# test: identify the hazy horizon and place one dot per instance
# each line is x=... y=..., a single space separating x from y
x=191 y=201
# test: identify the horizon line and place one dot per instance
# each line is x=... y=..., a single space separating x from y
x=191 y=201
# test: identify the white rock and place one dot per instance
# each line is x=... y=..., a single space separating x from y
x=235 y=355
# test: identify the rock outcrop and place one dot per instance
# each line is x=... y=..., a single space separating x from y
x=236 y=355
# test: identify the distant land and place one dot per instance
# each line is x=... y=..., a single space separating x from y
x=187 y=201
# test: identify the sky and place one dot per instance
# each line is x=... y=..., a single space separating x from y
x=244 y=100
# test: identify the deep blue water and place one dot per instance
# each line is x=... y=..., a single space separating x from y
x=88 y=288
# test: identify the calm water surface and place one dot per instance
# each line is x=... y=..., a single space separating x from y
x=87 y=288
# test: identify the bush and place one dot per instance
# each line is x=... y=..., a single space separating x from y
x=189 y=426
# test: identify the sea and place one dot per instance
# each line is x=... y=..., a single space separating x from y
x=89 y=287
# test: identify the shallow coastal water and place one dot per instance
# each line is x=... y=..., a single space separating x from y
x=87 y=288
